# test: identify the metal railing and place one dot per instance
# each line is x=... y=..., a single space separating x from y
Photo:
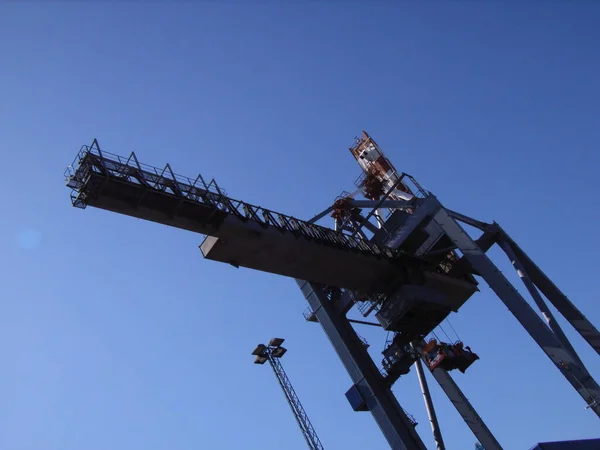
x=407 y=180
x=91 y=159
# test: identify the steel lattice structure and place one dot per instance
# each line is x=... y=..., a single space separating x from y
x=273 y=353
x=400 y=255
x=306 y=427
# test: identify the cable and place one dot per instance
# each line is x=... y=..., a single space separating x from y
x=444 y=331
x=457 y=336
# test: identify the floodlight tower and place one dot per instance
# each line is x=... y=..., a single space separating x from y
x=272 y=353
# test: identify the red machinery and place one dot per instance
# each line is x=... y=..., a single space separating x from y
x=448 y=356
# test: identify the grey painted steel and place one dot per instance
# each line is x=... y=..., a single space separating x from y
x=539 y=301
x=435 y=426
x=560 y=301
x=345 y=302
x=381 y=201
x=248 y=244
x=239 y=234
x=320 y=215
x=466 y=410
x=392 y=204
x=469 y=220
x=309 y=433
x=361 y=221
x=95 y=172
x=583 y=444
x=424 y=208
x=484 y=242
x=585 y=385
x=128 y=187
x=379 y=398
x=364 y=322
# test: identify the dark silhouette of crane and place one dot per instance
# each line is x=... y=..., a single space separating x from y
x=400 y=254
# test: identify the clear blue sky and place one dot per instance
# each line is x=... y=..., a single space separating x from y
x=116 y=334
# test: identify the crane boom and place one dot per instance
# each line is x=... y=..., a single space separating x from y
x=237 y=233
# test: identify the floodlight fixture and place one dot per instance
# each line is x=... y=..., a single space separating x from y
x=260 y=359
x=276 y=342
x=278 y=352
x=259 y=350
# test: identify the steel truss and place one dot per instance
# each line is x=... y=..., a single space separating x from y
x=309 y=433
x=356 y=233
x=273 y=353
x=549 y=336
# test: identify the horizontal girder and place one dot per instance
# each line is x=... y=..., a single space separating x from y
x=240 y=234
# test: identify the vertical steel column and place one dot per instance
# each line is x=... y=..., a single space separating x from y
x=584 y=384
x=378 y=396
x=435 y=426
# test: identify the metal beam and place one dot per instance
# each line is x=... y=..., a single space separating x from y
x=379 y=204
x=560 y=301
x=382 y=199
x=539 y=301
x=364 y=322
x=466 y=410
x=435 y=426
x=321 y=215
x=378 y=397
x=585 y=385
x=362 y=221
x=423 y=209
x=463 y=266
x=469 y=220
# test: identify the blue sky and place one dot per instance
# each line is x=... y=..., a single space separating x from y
x=115 y=333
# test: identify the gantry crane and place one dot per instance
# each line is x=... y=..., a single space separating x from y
x=399 y=254
x=272 y=353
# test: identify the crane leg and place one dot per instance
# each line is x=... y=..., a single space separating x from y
x=582 y=382
x=369 y=383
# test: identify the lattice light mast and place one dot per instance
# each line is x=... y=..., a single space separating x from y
x=272 y=353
